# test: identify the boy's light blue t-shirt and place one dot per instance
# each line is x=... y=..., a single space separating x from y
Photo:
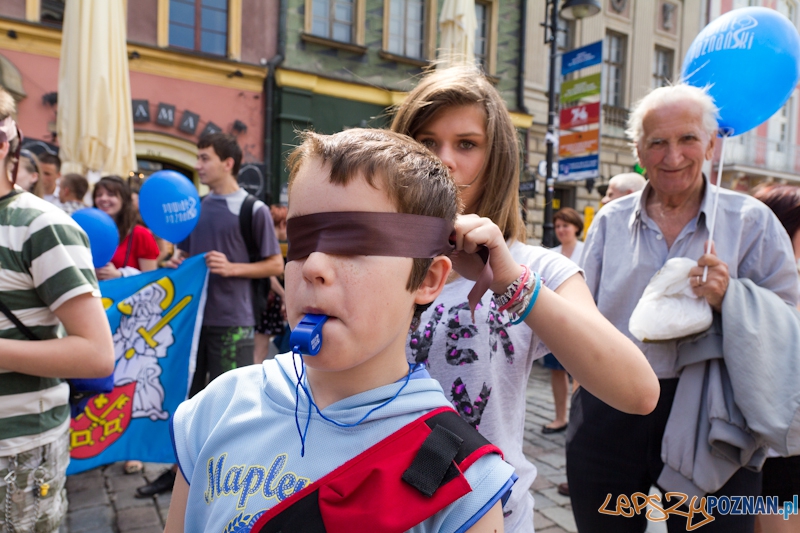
x=238 y=446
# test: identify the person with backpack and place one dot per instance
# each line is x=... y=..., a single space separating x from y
x=46 y=279
x=236 y=235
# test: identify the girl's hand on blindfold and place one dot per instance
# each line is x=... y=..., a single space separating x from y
x=472 y=232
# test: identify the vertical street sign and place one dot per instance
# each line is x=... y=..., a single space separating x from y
x=579 y=115
x=574 y=90
x=585 y=56
x=579 y=168
x=579 y=143
x=579 y=119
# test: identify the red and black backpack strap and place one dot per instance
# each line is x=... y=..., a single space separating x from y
x=391 y=487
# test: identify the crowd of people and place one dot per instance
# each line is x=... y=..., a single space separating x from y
x=429 y=336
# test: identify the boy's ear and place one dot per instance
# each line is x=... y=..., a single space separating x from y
x=434 y=280
x=228 y=162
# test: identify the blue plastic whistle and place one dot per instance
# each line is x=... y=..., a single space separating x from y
x=307 y=335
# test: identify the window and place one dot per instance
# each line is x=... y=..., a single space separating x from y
x=406 y=28
x=486 y=34
x=662 y=67
x=333 y=19
x=786 y=7
x=783 y=120
x=52 y=12
x=481 y=34
x=200 y=25
x=614 y=52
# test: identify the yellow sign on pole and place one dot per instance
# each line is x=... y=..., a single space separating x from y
x=588 y=216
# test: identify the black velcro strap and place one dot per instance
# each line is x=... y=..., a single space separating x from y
x=304 y=516
x=433 y=460
x=472 y=439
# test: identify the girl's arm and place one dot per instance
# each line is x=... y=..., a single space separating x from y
x=276 y=286
x=177 y=506
x=146 y=265
x=598 y=355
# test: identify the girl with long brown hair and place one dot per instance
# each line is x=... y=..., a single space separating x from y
x=483 y=364
x=137 y=246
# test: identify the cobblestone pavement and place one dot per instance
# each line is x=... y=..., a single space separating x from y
x=102 y=500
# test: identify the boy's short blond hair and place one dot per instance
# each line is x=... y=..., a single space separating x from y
x=416 y=181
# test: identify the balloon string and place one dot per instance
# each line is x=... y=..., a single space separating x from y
x=716 y=202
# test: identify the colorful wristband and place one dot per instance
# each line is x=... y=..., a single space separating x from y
x=534 y=296
x=521 y=280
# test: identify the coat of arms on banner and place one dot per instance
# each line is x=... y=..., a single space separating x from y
x=104 y=420
x=155 y=319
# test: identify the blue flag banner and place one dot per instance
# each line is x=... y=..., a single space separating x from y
x=155 y=318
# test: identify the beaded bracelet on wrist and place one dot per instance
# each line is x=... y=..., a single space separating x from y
x=519 y=298
x=502 y=300
x=518 y=293
x=530 y=299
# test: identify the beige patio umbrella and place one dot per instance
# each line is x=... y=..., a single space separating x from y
x=457 y=26
x=95 y=120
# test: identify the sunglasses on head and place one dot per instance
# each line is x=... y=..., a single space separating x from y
x=30 y=156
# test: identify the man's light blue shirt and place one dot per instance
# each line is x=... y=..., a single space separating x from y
x=625 y=248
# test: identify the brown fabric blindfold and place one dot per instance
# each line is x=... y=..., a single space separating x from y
x=368 y=233
x=378 y=233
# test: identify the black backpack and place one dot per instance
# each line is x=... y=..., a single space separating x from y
x=260 y=286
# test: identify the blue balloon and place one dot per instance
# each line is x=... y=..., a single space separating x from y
x=102 y=232
x=170 y=205
x=750 y=60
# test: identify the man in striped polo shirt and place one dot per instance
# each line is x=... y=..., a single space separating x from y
x=46 y=277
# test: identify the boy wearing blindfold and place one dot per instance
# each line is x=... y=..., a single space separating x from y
x=262 y=448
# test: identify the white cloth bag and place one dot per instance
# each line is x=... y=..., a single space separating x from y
x=669 y=309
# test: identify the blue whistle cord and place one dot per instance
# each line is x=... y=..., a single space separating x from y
x=301 y=374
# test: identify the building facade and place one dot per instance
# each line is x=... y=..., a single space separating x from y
x=195 y=66
x=770 y=152
x=346 y=63
x=644 y=42
x=259 y=69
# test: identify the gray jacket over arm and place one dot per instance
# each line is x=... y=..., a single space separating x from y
x=746 y=402
x=757 y=381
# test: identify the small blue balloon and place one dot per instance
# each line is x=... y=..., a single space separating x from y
x=750 y=60
x=102 y=232
x=170 y=205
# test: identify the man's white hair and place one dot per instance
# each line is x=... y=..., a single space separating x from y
x=671 y=94
x=628 y=182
